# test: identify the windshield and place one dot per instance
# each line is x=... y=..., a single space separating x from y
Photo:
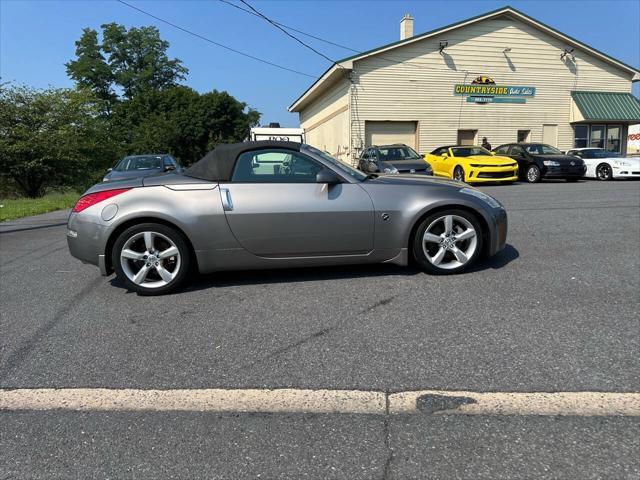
x=343 y=167
x=149 y=162
x=599 y=154
x=469 y=151
x=388 y=154
x=542 y=149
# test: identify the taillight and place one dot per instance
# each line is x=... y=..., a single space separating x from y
x=93 y=198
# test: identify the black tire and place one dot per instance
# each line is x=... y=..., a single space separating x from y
x=532 y=174
x=572 y=179
x=604 y=172
x=420 y=256
x=183 y=262
x=458 y=173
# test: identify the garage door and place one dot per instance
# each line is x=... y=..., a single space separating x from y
x=382 y=133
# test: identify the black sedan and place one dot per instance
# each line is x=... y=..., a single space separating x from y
x=538 y=160
x=397 y=158
x=136 y=166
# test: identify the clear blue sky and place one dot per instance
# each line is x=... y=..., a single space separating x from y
x=37 y=37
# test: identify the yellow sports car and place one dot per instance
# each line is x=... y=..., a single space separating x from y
x=471 y=164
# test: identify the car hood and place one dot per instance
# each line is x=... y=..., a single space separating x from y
x=408 y=179
x=405 y=165
x=113 y=176
x=490 y=160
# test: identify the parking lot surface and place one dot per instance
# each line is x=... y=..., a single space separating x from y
x=557 y=310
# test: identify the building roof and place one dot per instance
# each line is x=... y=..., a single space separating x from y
x=607 y=106
x=345 y=64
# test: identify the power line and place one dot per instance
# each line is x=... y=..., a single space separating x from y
x=216 y=43
x=287 y=33
x=291 y=28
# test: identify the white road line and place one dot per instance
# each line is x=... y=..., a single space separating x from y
x=427 y=402
x=206 y=400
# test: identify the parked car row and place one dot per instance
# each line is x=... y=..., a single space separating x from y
x=530 y=162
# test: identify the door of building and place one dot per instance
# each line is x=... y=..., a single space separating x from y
x=467 y=137
x=385 y=133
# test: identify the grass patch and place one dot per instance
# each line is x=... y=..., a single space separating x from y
x=12 y=208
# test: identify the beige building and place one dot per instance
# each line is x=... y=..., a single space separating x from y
x=501 y=75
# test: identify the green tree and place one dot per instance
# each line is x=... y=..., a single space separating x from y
x=51 y=137
x=131 y=61
x=181 y=121
x=90 y=70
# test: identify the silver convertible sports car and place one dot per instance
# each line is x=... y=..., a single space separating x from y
x=278 y=204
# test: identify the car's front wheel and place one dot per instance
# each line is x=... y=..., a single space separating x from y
x=151 y=259
x=448 y=242
x=458 y=174
x=533 y=174
x=604 y=172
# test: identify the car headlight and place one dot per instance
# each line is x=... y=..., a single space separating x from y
x=482 y=196
x=551 y=163
x=391 y=170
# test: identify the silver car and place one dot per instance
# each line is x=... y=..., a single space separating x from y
x=265 y=204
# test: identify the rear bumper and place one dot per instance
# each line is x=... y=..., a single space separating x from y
x=86 y=241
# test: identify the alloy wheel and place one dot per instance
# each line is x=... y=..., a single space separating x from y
x=458 y=174
x=150 y=259
x=533 y=174
x=449 y=242
x=603 y=172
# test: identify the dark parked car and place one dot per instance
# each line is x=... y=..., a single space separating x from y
x=135 y=166
x=538 y=160
x=397 y=158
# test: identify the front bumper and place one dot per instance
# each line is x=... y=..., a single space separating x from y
x=492 y=174
x=565 y=172
x=498 y=232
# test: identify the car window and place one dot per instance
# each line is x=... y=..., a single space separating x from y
x=168 y=162
x=469 y=151
x=599 y=153
x=275 y=166
x=345 y=168
x=397 y=153
x=149 y=162
x=517 y=151
x=502 y=149
x=366 y=153
x=439 y=151
x=542 y=149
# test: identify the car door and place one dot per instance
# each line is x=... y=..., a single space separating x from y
x=448 y=163
x=274 y=207
x=435 y=160
x=518 y=154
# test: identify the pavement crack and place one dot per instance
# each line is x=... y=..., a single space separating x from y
x=21 y=353
x=378 y=304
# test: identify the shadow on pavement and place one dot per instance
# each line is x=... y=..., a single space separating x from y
x=313 y=274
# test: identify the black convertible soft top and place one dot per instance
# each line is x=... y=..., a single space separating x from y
x=217 y=165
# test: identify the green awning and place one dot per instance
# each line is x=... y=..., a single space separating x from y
x=607 y=106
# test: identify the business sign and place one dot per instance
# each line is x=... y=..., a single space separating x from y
x=484 y=90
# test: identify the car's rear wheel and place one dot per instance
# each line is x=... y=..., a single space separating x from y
x=151 y=259
x=533 y=174
x=604 y=172
x=458 y=174
x=448 y=242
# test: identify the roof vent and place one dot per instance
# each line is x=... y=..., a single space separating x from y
x=406 y=26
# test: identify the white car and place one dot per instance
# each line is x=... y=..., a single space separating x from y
x=605 y=165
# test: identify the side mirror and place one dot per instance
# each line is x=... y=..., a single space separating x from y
x=169 y=168
x=445 y=155
x=493 y=153
x=328 y=177
x=109 y=169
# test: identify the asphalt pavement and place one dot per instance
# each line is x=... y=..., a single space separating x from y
x=557 y=310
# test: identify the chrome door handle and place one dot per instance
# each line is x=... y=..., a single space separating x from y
x=227 y=204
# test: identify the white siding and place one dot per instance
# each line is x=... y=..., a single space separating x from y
x=326 y=120
x=420 y=87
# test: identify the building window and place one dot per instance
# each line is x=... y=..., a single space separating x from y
x=524 y=135
x=613 y=138
x=467 y=137
x=597 y=136
x=581 y=136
